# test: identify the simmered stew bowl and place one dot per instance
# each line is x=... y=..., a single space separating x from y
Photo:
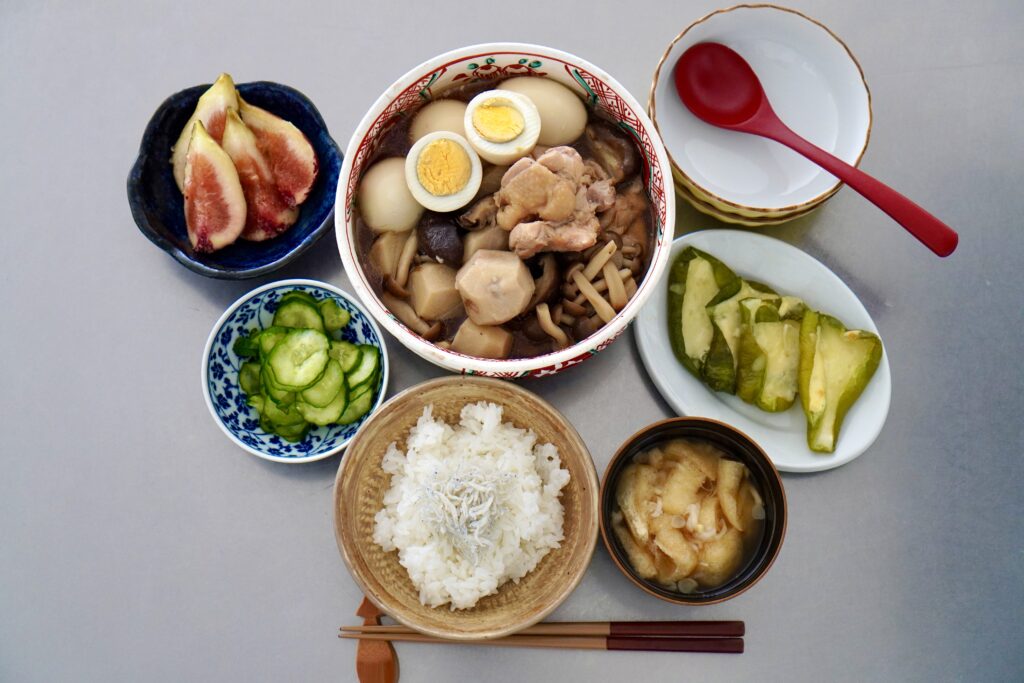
x=493 y=62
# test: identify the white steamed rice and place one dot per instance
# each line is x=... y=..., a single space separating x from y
x=470 y=507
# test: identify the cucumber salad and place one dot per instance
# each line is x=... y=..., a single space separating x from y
x=298 y=374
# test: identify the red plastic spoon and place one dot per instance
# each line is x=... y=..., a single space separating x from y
x=720 y=88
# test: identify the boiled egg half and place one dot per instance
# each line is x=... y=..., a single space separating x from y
x=442 y=171
x=502 y=125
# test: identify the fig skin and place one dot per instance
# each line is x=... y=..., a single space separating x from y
x=215 y=208
x=211 y=111
x=292 y=159
x=268 y=214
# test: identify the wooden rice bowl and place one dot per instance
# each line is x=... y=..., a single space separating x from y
x=359 y=493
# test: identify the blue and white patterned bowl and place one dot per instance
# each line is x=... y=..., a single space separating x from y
x=227 y=402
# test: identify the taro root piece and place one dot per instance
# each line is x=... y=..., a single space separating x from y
x=215 y=207
x=495 y=286
x=432 y=292
x=494 y=238
x=292 y=158
x=211 y=111
x=267 y=213
x=483 y=341
x=439 y=238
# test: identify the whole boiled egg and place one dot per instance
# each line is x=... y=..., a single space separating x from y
x=502 y=125
x=384 y=199
x=442 y=171
x=438 y=115
x=562 y=115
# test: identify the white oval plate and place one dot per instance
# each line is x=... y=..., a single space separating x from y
x=789 y=271
x=814 y=84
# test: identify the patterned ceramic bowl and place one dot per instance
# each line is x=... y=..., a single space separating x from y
x=157 y=204
x=227 y=403
x=489 y=62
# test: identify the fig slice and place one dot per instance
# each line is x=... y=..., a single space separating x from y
x=214 y=202
x=291 y=156
x=267 y=212
x=211 y=110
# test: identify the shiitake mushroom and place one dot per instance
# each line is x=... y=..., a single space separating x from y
x=439 y=239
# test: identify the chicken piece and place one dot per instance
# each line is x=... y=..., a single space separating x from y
x=563 y=161
x=540 y=190
x=597 y=197
x=630 y=205
x=530 y=189
x=528 y=239
x=592 y=172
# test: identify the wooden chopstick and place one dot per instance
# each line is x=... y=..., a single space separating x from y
x=676 y=629
x=632 y=643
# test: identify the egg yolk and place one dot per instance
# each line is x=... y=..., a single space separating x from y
x=443 y=167
x=498 y=121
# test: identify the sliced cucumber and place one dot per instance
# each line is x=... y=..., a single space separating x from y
x=269 y=337
x=346 y=353
x=249 y=377
x=299 y=359
x=293 y=433
x=358 y=406
x=327 y=387
x=335 y=317
x=368 y=362
x=282 y=397
x=296 y=313
x=248 y=346
x=280 y=416
x=299 y=295
x=327 y=414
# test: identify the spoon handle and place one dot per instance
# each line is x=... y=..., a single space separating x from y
x=928 y=229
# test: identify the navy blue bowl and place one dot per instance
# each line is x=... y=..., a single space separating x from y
x=158 y=207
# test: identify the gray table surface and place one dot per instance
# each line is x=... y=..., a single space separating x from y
x=137 y=543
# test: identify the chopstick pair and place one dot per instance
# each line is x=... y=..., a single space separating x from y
x=657 y=636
